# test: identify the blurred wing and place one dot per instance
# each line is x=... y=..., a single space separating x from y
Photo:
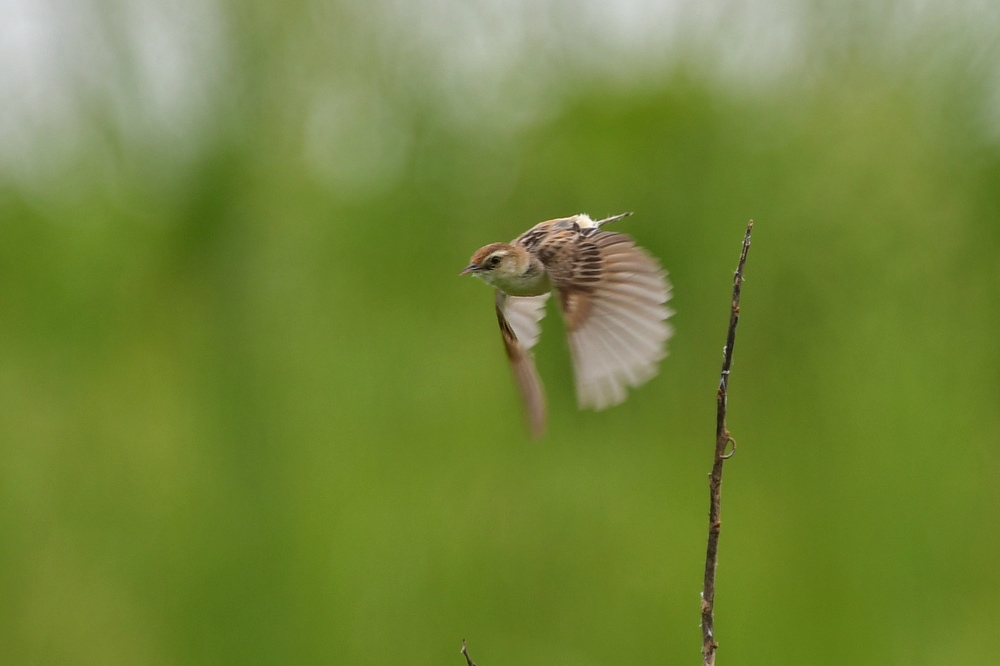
x=614 y=303
x=518 y=318
x=524 y=314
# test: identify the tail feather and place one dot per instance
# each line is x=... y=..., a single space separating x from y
x=613 y=218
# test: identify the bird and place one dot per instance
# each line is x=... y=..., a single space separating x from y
x=612 y=295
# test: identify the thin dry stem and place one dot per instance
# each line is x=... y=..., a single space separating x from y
x=722 y=442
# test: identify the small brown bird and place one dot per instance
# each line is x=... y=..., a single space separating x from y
x=612 y=296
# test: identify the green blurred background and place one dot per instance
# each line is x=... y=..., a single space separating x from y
x=250 y=414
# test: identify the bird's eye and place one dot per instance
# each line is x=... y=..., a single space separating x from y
x=494 y=260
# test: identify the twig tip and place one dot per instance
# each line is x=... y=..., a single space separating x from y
x=465 y=653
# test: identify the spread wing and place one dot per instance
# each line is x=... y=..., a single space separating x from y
x=613 y=297
x=519 y=318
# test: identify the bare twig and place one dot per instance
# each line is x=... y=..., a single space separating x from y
x=722 y=442
x=465 y=652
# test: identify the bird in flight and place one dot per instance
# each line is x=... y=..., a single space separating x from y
x=612 y=295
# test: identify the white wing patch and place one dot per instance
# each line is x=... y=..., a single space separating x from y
x=524 y=314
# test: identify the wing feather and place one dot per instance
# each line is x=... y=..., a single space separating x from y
x=524 y=313
x=519 y=319
x=613 y=298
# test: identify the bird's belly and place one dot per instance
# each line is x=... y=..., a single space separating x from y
x=525 y=285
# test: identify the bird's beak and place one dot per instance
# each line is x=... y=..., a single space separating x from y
x=471 y=268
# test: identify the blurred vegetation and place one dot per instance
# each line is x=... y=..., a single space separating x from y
x=252 y=415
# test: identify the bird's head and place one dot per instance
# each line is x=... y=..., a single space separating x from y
x=496 y=262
